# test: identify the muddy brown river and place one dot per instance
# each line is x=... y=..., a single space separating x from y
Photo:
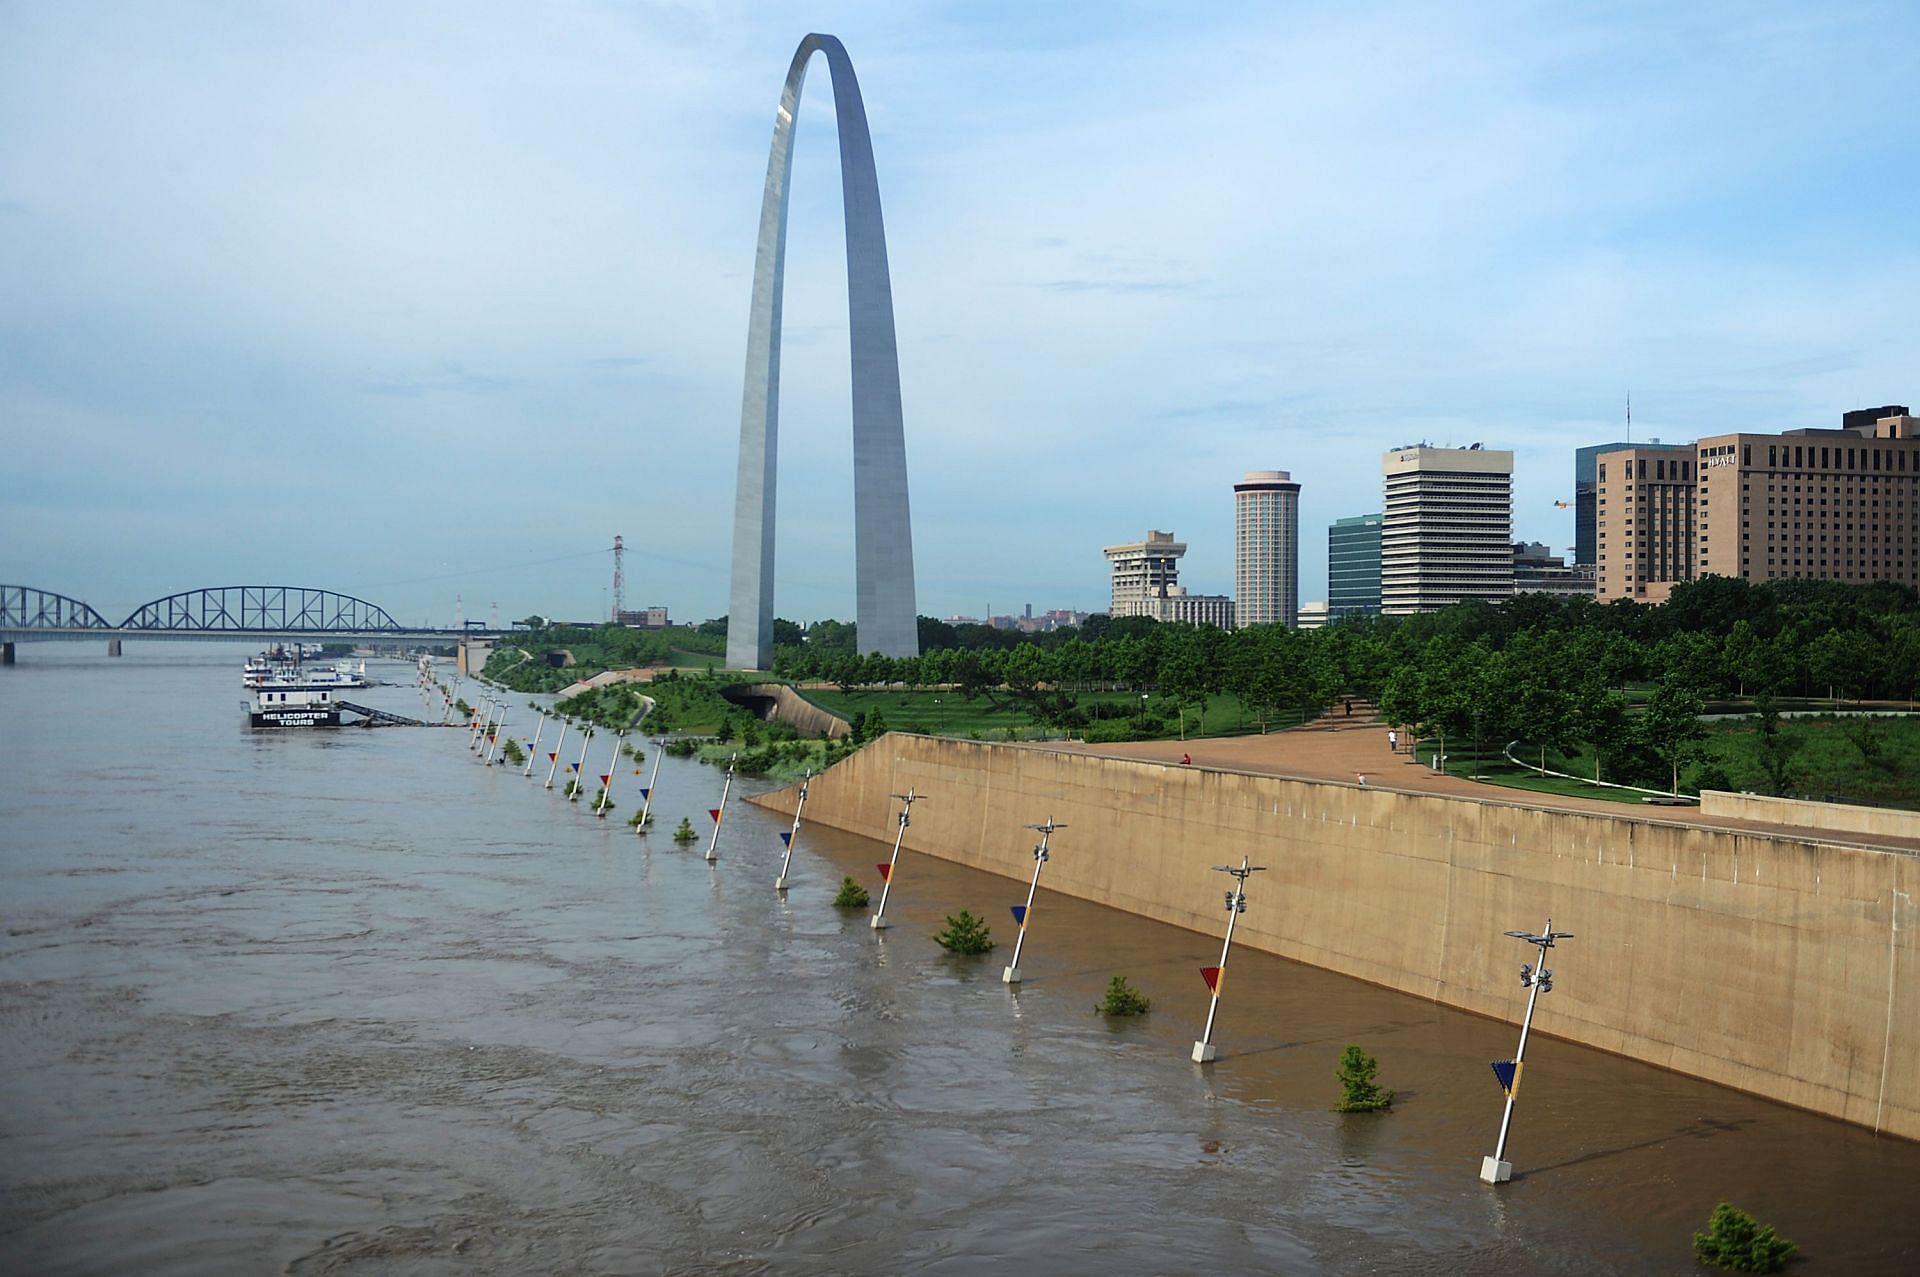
x=349 y=1001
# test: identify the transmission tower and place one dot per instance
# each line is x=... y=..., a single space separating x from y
x=619 y=578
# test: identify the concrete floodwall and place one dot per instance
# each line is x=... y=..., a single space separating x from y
x=784 y=705
x=1840 y=818
x=1776 y=965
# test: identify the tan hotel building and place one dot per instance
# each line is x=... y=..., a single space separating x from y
x=1835 y=505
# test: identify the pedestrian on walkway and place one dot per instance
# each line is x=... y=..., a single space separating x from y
x=1393 y=741
x=1349 y=707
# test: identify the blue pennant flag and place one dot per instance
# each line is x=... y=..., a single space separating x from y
x=786 y=838
x=1020 y=914
x=645 y=792
x=1508 y=1072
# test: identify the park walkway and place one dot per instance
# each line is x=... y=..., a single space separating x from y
x=1344 y=750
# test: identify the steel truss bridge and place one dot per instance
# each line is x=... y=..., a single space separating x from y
x=232 y=612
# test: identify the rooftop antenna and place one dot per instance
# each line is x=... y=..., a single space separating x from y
x=1629 y=416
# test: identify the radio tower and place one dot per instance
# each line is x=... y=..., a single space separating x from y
x=619 y=578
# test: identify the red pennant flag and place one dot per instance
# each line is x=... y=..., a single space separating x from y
x=886 y=873
x=606 y=779
x=1212 y=976
x=715 y=813
x=553 y=756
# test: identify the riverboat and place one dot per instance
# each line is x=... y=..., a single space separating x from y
x=290 y=699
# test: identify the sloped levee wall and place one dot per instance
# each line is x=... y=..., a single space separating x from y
x=1780 y=966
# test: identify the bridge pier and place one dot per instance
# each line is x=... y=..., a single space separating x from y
x=113 y=647
x=6 y=653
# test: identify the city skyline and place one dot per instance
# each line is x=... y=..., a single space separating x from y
x=484 y=279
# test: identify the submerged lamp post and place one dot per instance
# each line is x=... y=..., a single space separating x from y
x=580 y=767
x=554 y=753
x=606 y=781
x=533 y=750
x=718 y=813
x=780 y=883
x=646 y=795
x=1204 y=1051
x=879 y=920
x=493 y=742
x=1535 y=976
x=1020 y=912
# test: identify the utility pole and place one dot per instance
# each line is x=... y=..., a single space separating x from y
x=1535 y=976
x=780 y=883
x=1021 y=912
x=1204 y=1052
x=879 y=920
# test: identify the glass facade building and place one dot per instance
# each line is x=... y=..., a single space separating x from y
x=1353 y=566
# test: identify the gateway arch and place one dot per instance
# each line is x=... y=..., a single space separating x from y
x=882 y=533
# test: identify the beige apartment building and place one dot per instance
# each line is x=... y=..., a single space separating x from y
x=1643 y=525
x=1143 y=570
x=1832 y=505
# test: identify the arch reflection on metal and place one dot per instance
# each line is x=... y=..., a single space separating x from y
x=882 y=531
x=265 y=609
x=24 y=608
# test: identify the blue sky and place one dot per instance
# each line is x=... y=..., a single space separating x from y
x=417 y=300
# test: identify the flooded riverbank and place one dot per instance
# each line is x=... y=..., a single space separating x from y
x=349 y=1001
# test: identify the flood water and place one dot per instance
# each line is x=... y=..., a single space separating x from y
x=349 y=1001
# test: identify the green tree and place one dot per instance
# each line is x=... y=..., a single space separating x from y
x=1777 y=749
x=1734 y=1240
x=1122 y=999
x=1671 y=724
x=965 y=933
x=1359 y=1093
x=1740 y=655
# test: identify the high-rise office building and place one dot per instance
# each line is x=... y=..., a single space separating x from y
x=1266 y=548
x=1143 y=570
x=1585 y=465
x=1643 y=522
x=1446 y=535
x=1353 y=566
x=1833 y=505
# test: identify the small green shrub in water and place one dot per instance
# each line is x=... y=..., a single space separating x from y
x=852 y=895
x=1122 y=999
x=965 y=933
x=513 y=753
x=1359 y=1093
x=1735 y=1240
x=685 y=832
x=634 y=821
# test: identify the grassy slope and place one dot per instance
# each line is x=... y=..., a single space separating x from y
x=1827 y=764
x=946 y=713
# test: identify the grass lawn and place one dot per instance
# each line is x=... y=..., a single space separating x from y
x=1827 y=762
x=944 y=712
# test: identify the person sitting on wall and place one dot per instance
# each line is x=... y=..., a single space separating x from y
x=1186 y=760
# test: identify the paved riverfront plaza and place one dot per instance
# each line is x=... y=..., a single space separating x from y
x=1343 y=751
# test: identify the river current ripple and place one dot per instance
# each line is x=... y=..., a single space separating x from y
x=348 y=1001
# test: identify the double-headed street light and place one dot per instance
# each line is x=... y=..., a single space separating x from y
x=1536 y=977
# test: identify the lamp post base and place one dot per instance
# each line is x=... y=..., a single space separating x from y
x=780 y=883
x=1205 y=1053
x=877 y=922
x=712 y=856
x=1010 y=976
x=1495 y=1171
